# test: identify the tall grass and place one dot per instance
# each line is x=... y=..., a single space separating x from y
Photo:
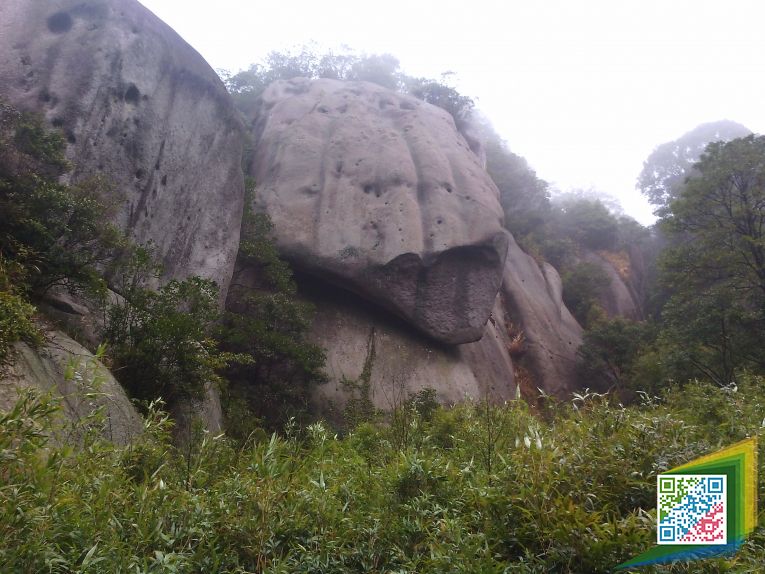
x=567 y=489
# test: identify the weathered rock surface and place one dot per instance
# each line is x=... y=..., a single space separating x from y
x=401 y=360
x=71 y=374
x=621 y=297
x=532 y=297
x=379 y=193
x=530 y=330
x=140 y=108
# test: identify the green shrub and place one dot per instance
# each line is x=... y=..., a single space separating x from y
x=160 y=340
x=15 y=323
x=16 y=314
x=269 y=323
x=60 y=233
x=572 y=494
x=609 y=357
x=583 y=285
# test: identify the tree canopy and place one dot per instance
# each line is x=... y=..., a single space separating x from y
x=715 y=268
x=665 y=170
x=381 y=69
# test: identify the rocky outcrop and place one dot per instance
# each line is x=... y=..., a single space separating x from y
x=532 y=298
x=143 y=111
x=531 y=339
x=622 y=295
x=376 y=198
x=75 y=378
x=378 y=193
x=400 y=360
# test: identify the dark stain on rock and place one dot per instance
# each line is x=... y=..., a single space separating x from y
x=60 y=23
x=132 y=95
x=371 y=188
x=48 y=98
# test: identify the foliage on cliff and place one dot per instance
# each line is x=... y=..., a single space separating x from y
x=382 y=69
x=268 y=323
x=51 y=234
x=163 y=340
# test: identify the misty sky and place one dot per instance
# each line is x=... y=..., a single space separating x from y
x=584 y=90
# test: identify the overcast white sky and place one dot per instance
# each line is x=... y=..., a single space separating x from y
x=583 y=89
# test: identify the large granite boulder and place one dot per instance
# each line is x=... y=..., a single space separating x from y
x=378 y=193
x=143 y=110
x=533 y=302
x=81 y=384
x=399 y=360
x=530 y=341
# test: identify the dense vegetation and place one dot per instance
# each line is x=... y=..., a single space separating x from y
x=471 y=489
x=705 y=308
x=267 y=323
x=697 y=274
x=51 y=234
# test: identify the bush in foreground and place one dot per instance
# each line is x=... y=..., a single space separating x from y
x=471 y=489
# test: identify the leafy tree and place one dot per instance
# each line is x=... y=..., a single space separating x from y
x=583 y=284
x=442 y=95
x=669 y=164
x=716 y=268
x=60 y=234
x=588 y=223
x=267 y=322
x=721 y=215
x=381 y=69
x=524 y=197
x=610 y=352
x=161 y=341
x=51 y=234
x=247 y=85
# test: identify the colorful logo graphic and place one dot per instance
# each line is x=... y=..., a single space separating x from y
x=704 y=508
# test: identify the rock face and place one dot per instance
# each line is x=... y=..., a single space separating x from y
x=401 y=361
x=140 y=108
x=72 y=375
x=530 y=331
x=532 y=298
x=378 y=193
x=622 y=297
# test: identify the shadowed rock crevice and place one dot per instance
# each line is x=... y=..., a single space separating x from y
x=448 y=295
x=406 y=361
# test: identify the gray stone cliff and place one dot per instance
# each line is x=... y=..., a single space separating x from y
x=140 y=109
